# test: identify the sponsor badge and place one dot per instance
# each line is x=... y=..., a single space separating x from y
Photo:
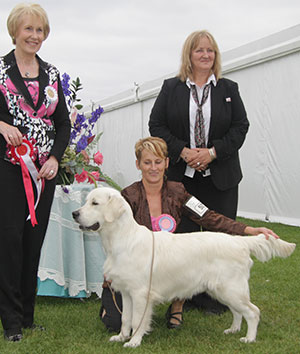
x=196 y=206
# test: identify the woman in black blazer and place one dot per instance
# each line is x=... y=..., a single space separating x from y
x=34 y=132
x=203 y=137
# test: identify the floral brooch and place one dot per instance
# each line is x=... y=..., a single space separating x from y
x=51 y=94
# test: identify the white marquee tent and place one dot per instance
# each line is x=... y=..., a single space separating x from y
x=268 y=74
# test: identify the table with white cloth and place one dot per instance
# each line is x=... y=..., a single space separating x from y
x=71 y=260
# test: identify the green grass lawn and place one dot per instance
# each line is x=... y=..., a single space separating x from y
x=73 y=326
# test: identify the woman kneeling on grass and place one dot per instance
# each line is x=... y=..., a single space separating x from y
x=160 y=204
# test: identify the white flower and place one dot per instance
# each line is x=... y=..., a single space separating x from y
x=51 y=94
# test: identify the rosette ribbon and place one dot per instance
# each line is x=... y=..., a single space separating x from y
x=24 y=154
x=166 y=222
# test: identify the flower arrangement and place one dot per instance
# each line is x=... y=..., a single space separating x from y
x=80 y=162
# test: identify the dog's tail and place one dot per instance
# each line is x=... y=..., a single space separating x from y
x=264 y=249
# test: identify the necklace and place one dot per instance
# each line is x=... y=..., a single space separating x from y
x=27 y=74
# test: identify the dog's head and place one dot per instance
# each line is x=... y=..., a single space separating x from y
x=103 y=205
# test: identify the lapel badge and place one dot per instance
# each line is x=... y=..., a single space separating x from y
x=228 y=99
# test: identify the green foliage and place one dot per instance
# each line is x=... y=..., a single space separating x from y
x=73 y=326
x=76 y=86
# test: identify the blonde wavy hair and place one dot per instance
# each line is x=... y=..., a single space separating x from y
x=153 y=144
x=190 y=44
x=15 y=18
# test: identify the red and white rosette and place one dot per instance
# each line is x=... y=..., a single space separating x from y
x=24 y=154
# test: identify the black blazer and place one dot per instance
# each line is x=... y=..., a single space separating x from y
x=169 y=119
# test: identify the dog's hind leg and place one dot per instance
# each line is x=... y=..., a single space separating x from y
x=242 y=307
x=141 y=320
x=238 y=300
x=236 y=323
x=251 y=315
x=126 y=320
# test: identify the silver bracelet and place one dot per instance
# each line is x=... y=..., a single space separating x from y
x=211 y=153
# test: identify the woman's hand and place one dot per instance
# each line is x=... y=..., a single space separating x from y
x=11 y=134
x=260 y=230
x=200 y=160
x=196 y=158
x=49 y=169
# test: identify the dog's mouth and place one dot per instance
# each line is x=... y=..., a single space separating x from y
x=93 y=227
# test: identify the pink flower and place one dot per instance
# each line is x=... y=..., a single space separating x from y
x=98 y=158
x=82 y=177
x=96 y=175
x=73 y=114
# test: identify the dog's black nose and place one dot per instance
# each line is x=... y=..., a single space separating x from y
x=75 y=214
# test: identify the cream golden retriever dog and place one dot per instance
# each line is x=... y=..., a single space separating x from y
x=181 y=265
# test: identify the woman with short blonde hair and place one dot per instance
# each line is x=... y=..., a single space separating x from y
x=34 y=121
x=155 y=145
x=17 y=14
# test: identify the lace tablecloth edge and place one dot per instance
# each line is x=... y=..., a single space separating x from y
x=74 y=286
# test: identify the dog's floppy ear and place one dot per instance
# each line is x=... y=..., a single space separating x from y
x=114 y=208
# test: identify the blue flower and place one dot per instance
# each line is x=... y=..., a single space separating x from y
x=65 y=189
x=65 y=84
x=79 y=124
x=73 y=136
x=80 y=119
x=95 y=115
x=82 y=143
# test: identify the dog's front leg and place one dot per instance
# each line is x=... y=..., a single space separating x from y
x=141 y=319
x=126 y=319
x=126 y=315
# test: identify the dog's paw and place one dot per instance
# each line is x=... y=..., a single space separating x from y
x=117 y=338
x=231 y=330
x=247 y=340
x=132 y=344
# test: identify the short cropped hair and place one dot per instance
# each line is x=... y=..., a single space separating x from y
x=15 y=17
x=153 y=144
x=190 y=44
